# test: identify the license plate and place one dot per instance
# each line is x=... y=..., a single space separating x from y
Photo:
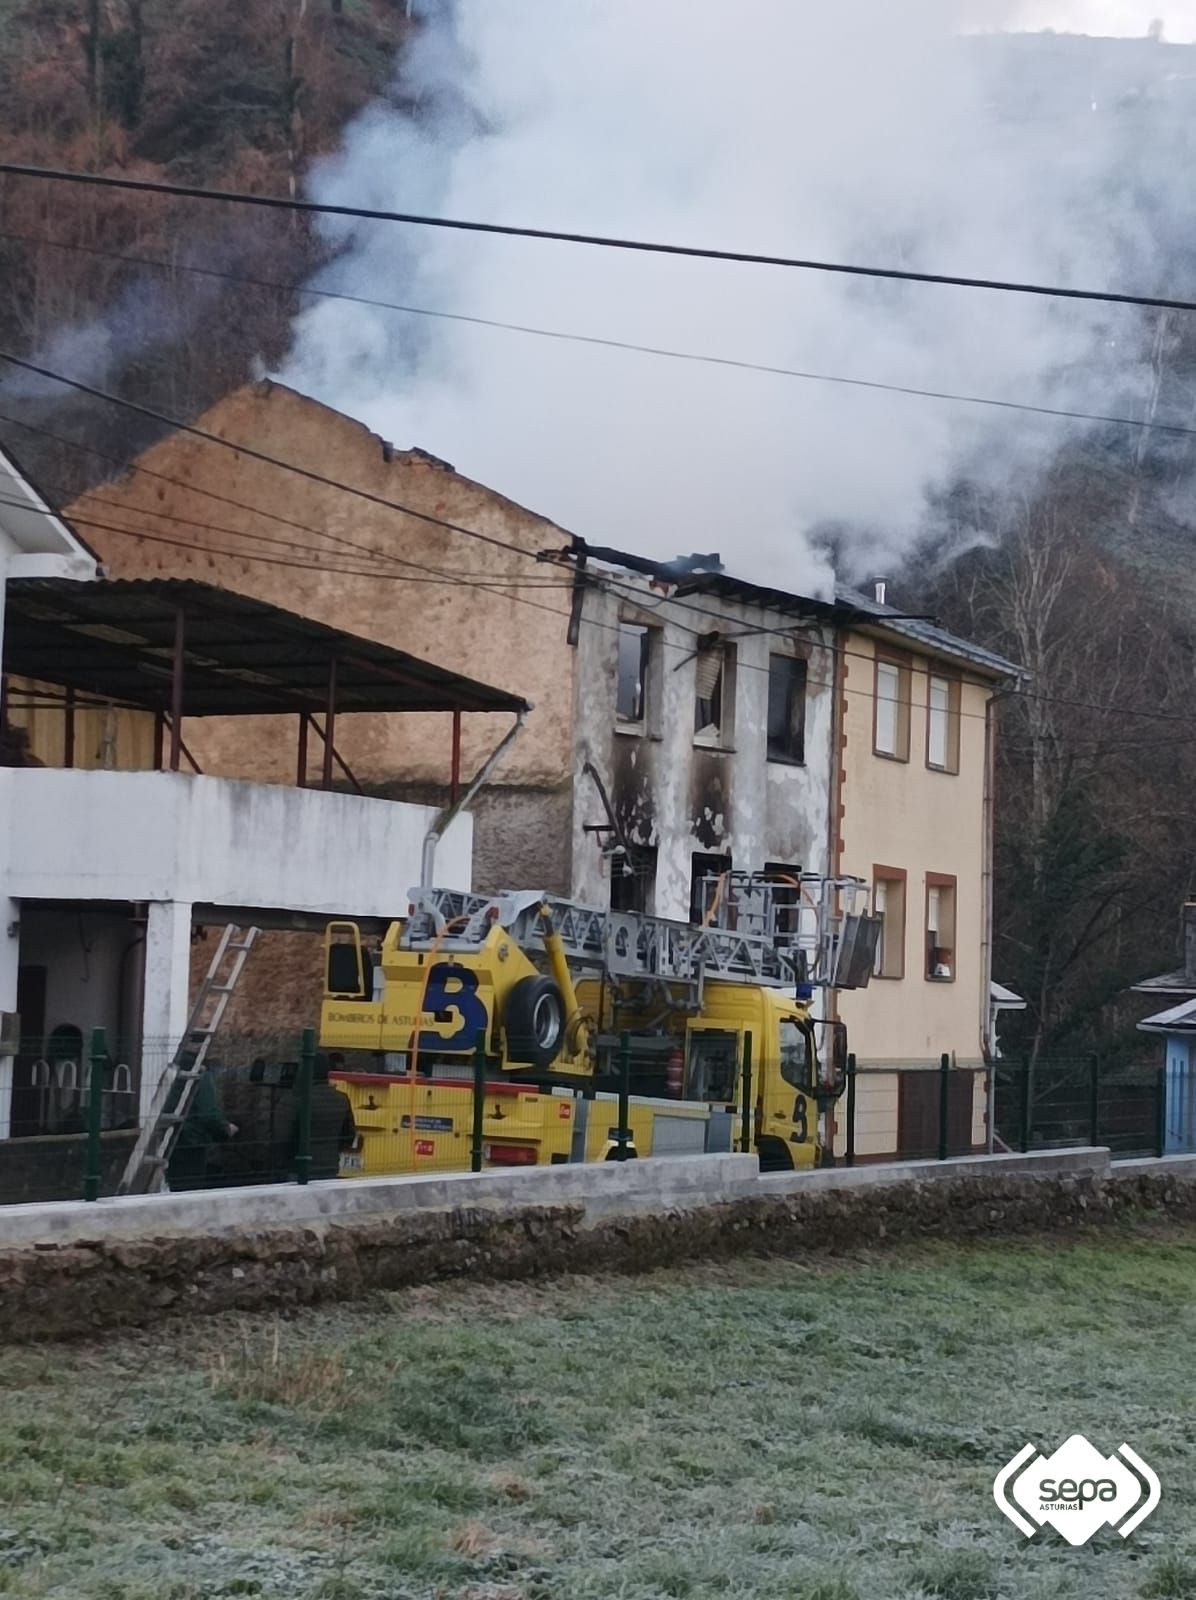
x=351 y=1164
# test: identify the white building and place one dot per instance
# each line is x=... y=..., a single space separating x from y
x=112 y=855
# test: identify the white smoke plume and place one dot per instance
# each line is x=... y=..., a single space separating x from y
x=872 y=133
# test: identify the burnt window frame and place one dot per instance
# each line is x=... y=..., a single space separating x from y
x=628 y=627
x=798 y=679
x=722 y=698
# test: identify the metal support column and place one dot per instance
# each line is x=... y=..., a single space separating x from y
x=479 y=1103
x=176 y=691
x=301 y=764
x=455 y=776
x=329 y=723
x=623 y=1131
x=849 y=1157
x=746 y=1140
x=93 y=1172
x=307 y=1065
x=68 y=730
x=944 y=1104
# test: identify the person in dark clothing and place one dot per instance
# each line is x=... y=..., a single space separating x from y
x=204 y=1127
x=333 y=1128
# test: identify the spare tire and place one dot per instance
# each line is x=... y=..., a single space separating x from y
x=534 y=1022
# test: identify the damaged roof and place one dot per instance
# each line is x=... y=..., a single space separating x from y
x=241 y=657
x=706 y=575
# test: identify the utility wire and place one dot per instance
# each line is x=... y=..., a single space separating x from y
x=258 y=455
x=239 y=505
x=276 y=561
x=661 y=351
x=305 y=472
x=813 y=683
x=600 y=241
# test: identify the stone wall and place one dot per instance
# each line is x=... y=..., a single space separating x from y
x=83 y=1286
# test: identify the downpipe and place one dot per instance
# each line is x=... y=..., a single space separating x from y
x=427 y=865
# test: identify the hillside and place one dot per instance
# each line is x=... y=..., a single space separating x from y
x=239 y=94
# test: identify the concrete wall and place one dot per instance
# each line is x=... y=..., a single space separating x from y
x=906 y=815
x=675 y=791
x=375 y=575
x=162 y=836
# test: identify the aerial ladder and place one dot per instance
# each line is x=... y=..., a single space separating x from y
x=551 y=991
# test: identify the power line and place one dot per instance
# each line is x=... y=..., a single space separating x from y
x=278 y=561
x=452 y=527
x=600 y=241
x=258 y=455
x=816 y=683
x=661 y=351
x=211 y=494
x=608 y=581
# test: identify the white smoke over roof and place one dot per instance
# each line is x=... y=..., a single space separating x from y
x=868 y=133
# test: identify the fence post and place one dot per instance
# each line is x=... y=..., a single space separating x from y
x=479 y=1103
x=745 y=1128
x=93 y=1170
x=1027 y=1103
x=1094 y=1099
x=307 y=1062
x=1161 y=1110
x=623 y=1132
x=944 y=1094
x=849 y=1156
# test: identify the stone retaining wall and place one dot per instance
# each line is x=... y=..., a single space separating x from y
x=81 y=1286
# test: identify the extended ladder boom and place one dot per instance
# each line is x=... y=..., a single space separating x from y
x=625 y=944
x=758 y=931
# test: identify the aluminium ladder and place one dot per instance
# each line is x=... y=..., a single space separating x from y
x=146 y=1167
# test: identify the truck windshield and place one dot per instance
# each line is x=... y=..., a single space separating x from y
x=796 y=1046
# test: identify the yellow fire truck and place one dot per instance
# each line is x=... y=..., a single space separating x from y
x=597 y=1034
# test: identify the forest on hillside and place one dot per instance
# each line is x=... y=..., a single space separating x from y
x=230 y=94
x=1084 y=576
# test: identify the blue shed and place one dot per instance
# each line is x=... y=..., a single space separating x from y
x=1178 y=1027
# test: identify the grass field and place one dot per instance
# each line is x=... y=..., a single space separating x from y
x=772 y=1429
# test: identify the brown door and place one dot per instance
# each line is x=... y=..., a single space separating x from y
x=918 y=1115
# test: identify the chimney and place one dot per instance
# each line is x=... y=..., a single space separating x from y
x=880 y=585
x=1190 y=942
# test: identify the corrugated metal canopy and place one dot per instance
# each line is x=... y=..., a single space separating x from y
x=116 y=641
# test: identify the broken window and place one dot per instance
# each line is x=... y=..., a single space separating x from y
x=714 y=692
x=705 y=890
x=940 y=927
x=786 y=709
x=635 y=644
x=633 y=878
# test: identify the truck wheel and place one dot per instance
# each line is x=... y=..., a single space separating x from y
x=774 y=1155
x=535 y=1022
